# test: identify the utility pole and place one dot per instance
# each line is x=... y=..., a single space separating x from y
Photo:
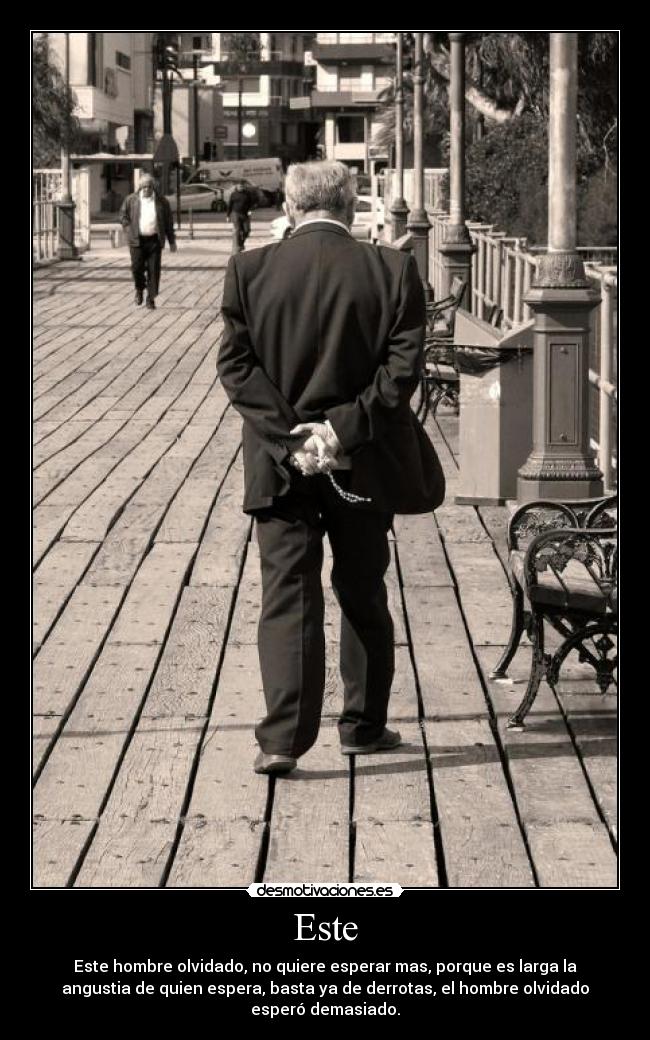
x=66 y=207
x=195 y=109
x=240 y=87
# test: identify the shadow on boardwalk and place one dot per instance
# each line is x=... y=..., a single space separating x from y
x=146 y=681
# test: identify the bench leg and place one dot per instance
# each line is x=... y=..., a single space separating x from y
x=516 y=632
x=537 y=670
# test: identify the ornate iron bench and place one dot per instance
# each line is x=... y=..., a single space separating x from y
x=440 y=377
x=563 y=570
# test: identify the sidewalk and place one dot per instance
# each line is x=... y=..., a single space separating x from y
x=146 y=680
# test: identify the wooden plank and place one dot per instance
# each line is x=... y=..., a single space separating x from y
x=394 y=785
x=572 y=854
x=449 y=681
x=151 y=600
x=44 y=728
x=217 y=854
x=484 y=592
x=309 y=831
x=187 y=669
x=54 y=581
x=421 y=555
x=397 y=851
x=70 y=650
x=226 y=537
x=56 y=847
x=482 y=842
x=135 y=835
x=549 y=783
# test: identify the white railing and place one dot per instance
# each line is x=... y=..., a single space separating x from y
x=355 y=37
x=603 y=370
x=46 y=189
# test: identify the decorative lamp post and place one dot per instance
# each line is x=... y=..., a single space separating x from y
x=418 y=223
x=561 y=464
x=66 y=207
x=399 y=208
x=457 y=247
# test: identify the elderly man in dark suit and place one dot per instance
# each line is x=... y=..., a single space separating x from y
x=147 y=218
x=321 y=353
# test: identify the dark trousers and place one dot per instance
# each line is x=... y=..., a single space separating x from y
x=145 y=264
x=241 y=229
x=291 y=637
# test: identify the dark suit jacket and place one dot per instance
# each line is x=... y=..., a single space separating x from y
x=322 y=326
x=130 y=218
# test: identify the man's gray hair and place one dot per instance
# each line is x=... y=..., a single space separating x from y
x=319 y=185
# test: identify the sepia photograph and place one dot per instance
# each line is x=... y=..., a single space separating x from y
x=325 y=460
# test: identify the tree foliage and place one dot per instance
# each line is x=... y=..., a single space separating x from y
x=507 y=92
x=52 y=104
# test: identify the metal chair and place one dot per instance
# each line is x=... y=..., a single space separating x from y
x=440 y=378
x=563 y=568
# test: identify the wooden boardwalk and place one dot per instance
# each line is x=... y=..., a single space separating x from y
x=146 y=679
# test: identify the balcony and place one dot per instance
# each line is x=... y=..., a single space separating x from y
x=354 y=47
x=337 y=99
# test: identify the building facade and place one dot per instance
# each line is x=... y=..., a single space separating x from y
x=111 y=74
x=350 y=72
x=264 y=124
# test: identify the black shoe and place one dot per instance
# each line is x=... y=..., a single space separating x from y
x=151 y=305
x=274 y=763
x=388 y=740
x=138 y=297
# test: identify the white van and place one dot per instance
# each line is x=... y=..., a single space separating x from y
x=266 y=174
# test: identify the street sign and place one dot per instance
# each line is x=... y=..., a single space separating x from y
x=220 y=131
x=166 y=150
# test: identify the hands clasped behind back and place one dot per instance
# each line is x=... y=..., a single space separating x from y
x=320 y=451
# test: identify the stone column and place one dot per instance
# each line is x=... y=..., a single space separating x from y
x=457 y=246
x=66 y=207
x=418 y=223
x=399 y=209
x=561 y=464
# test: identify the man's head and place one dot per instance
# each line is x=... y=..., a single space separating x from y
x=323 y=189
x=147 y=184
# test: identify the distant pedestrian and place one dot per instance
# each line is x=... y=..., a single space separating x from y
x=240 y=203
x=147 y=218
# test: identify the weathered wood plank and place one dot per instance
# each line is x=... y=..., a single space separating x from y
x=482 y=842
x=151 y=600
x=226 y=537
x=136 y=832
x=394 y=785
x=65 y=658
x=54 y=581
x=449 y=681
x=309 y=830
x=399 y=851
x=56 y=848
x=187 y=669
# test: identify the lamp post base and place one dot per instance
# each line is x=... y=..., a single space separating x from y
x=399 y=212
x=456 y=254
x=419 y=226
x=67 y=249
x=561 y=465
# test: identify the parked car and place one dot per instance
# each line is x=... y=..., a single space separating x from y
x=198 y=197
x=365 y=226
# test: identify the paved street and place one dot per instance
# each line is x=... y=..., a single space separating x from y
x=146 y=686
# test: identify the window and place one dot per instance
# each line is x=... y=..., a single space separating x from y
x=197 y=43
x=350 y=129
x=95 y=62
x=349 y=80
x=122 y=60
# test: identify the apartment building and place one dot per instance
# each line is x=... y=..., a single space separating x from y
x=351 y=71
x=268 y=126
x=111 y=74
